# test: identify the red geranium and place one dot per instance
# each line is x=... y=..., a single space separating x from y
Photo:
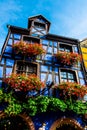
x=72 y=89
x=28 y=49
x=24 y=83
x=68 y=58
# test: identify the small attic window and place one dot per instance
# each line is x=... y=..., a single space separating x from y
x=39 y=25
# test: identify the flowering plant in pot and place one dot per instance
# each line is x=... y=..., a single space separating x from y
x=71 y=90
x=28 y=49
x=21 y=82
x=68 y=58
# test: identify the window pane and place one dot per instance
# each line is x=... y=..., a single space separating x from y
x=8 y=49
x=63 y=47
x=71 y=80
x=10 y=42
x=75 y=49
x=51 y=43
x=50 y=50
x=82 y=81
x=56 y=79
x=67 y=50
x=55 y=50
x=66 y=75
x=0 y=83
x=56 y=70
x=70 y=76
x=2 y=61
x=44 y=68
x=8 y=71
x=45 y=42
x=80 y=74
x=9 y=62
x=48 y=57
x=63 y=80
x=55 y=44
x=25 y=67
x=49 y=77
x=1 y=72
x=63 y=75
x=17 y=36
x=43 y=76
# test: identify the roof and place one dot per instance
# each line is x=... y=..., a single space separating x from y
x=30 y=19
x=62 y=38
x=39 y=16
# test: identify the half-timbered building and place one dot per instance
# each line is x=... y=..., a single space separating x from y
x=47 y=67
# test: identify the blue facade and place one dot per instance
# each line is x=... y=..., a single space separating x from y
x=48 y=69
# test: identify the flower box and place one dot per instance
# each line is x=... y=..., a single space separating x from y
x=71 y=90
x=21 y=82
x=68 y=58
x=28 y=49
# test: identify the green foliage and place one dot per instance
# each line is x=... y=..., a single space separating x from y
x=40 y=104
x=80 y=107
x=56 y=104
x=8 y=97
x=1 y=95
x=13 y=108
x=44 y=104
x=30 y=106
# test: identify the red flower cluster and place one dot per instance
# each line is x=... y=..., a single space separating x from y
x=24 y=83
x=72 y=89
x=28 y=49
x=68 y=58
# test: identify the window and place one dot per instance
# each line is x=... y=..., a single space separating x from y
x=67 y=76
x=26 y=67
x=31 y=39
x=39 y=25
x=63 y=47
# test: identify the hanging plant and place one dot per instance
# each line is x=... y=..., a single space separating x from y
x=21 y=82
x=71 y=90
x=68 y=58
x=28 y=49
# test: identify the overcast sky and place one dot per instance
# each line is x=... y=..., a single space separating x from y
x=68 y=17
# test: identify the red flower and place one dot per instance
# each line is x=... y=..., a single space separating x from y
x=28 y=49
x=72 y=89
x=23 y=82
x=68 y=58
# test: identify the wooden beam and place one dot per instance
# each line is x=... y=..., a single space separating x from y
x=5 y=44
